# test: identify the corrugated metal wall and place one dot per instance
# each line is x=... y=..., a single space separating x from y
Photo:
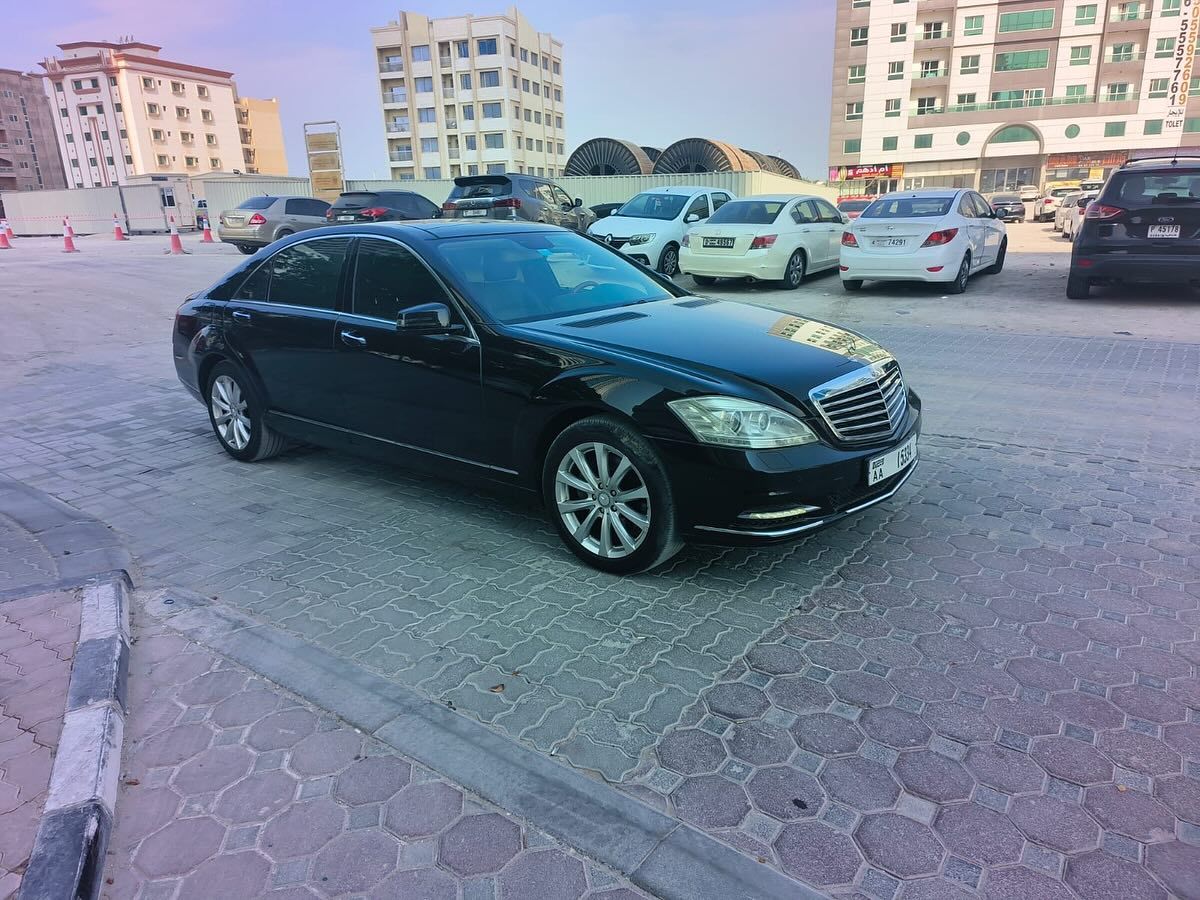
x=223 y=194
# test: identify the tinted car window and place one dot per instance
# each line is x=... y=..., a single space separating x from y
x=853 y=205
x=1133 y=188
x=485 y=186
x=256 y=203
x=698 y=207
x=966 y=207
x=356 y=200
x=826 y=212
x=307 y=274
x=560 y=196
x=389 y=278
x=256 y=286
x=653 y=206
x=747 y=212
x=982 y=208
x=908 y=207
x=808 y=212
x=314 y=208
x=719 y=199
x=296 y=207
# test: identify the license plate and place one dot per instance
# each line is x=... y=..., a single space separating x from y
x=1163 y=231
x=888 y=464
x=888 y=242
x=474 y=212
x=345 y=218
x=726 y=243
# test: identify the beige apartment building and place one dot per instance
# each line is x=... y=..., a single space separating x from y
x=120 y=110
x=262 y=137
x=470 y=95
x=29 y=159
x=992 y=94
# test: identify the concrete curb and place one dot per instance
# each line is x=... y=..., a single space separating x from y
x=68 y=852
x=658 y=853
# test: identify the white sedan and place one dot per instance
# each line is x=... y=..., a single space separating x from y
x=1073 y=213
x=935 y=235
x=772 y=237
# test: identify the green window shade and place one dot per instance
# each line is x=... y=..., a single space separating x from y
x=890 y=143
x=1031 y=20
x=1014 y=134
x=923 y=141
x=852 y=146
x=1152 y=126
x=1022 y=59
x=1114 y=129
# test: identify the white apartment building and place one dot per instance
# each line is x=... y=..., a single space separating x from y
x=994 y=93
x=470 y=95
x=120 y=110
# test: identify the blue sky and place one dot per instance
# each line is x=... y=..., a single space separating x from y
x=753 y=73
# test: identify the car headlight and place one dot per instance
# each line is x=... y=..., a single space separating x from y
x=641 y=239
x=730 y=422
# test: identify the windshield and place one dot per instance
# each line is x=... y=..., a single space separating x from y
x=1133 y=189
x=747 y=212
x=492 y=187
x=853 y=205
x=1063 y=192
x=654 y=206
x=256 y=203
x=522 y=277
x=358 y=200
x=908 y=208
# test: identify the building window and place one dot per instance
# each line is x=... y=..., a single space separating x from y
x=464 y=81
x=895 y=71
x=1121 y=52
x=207 y=116
x=202 y=92
x=468 y=112
x=1194 y=86
x=128 y=160
x=931 y=68
x=856 y=75
x=1152 y=126
x=463 y=49
x=1013 y=134
x=1018 y=60
x=426 y=114
x=1192 y=125
x=192 y=161
x=147 y=83
x=1030 y=20
x=157 y=135
x=494 y=141
x=539 y=146
x=1077 y=93
x=557 y=96
x=1159 y=88
x=182 y=112
x=854 y=145
x=972 y=26
x=1114 y=129
x=74 y=163
x=925 y=106
x=420 y=53
x=557 y=69
x=433 y=173
x=429 y=145
x=890 y=143
x=117 y=107
x=490 y=78
x=470 y=142
x=1170 y=7
x=423 y=85
x=537 y=118
x=486 y=46
x=966 y=99
x=558 y=122
x=177 y=87
x=1118 y=91
x=92 y=161
x=524 y=55
x=187 y=137
x=525 y=85
x=1164 y=48
x=560 y=148
x=963 y=138
x=64 y=112
x=537 y=89
x=528 y=143
x=1072 y=131
x=922 y=141
x=70 y=138
x=87 y=137
x=58 y=86
x=899 y=32
x=854 y=110
x=495 y=168
x=1127 y=12
x=162 y=159
x=211 y=140
x=969 y=65
x=858 y=36
x=1086 y=14
x=1081 y=56
x=891 y=108
x=932 y=31
x=492 y=110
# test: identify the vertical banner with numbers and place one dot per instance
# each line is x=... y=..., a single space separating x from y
x=1185 y=56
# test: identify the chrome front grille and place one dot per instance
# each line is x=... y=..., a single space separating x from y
x=866 y=405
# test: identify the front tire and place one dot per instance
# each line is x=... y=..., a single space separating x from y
x=959 y=284
x=793 y=274
x=235 y=412
x=668 y=261
x=607 y=494
x=1078 y=287
x=998 y=266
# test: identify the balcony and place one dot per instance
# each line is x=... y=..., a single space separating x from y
x=398 y=128
x=7 y=170
x=1118 y=58
x=447 y=90
x=400 y=155
x=395 y=96
x=452 y=123
x=453 y=151
x=1036 y=108
x=1131 y=17
x=391 y=66
x=446 y=61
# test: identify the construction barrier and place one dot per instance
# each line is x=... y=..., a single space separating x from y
x=176 y=243
x=118 y=234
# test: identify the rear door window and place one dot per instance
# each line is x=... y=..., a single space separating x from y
x=296 y=207
x=826 y=211
x=308 y=274
x=804 y=213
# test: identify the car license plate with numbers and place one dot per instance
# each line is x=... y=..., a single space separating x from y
x=474 y=212
x=1163 y=231
x=888 y=464
x=345 y=218
x=888 y=242
x=724 y=243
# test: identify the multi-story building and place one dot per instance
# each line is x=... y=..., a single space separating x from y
x=470 y=95
x=262 y=137
x=121 y=110
x=29 y=159
x=995 y=93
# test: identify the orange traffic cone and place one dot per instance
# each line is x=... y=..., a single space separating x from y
x=68 y=238
x=4 y=244
x=67 y=226
x=207 y=237
x=176 y=243
x=6 y=229
x=118 y=234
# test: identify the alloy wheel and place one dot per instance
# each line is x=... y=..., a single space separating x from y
x=602 y=499
x=670 y=262
x=795 y=270
x=229 y=412
x=964 y=274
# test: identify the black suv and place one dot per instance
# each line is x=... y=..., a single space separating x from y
x=515 y=196
x=380 y=206
x=1143 y=227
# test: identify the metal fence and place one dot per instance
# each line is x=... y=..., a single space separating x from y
x=226 y=193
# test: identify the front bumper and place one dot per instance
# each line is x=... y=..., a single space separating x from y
x=754 y=264
x=855 y=264
x=1142 y=268
x=244 y=234
x=715 y=488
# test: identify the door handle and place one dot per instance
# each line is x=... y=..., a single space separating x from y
x=241 y=316
x=353 y=340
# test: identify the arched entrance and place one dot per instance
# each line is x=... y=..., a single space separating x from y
x=1012 y=157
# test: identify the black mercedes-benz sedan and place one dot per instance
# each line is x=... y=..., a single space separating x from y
x=643 y=415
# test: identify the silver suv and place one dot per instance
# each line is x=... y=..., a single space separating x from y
x=261 y=220
x=515 y=196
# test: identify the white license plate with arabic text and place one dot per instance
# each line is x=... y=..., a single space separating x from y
x=345 y=218
x=474 y=212
x=888 y=242
x=1163 y=231
x=888 y=464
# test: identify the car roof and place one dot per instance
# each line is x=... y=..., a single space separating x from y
x=781 y=198
x=434 y=229
x=681 y=189
x=924 y=194
x=1189 y=161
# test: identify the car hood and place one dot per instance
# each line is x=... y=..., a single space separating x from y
x=719 y=340
x=626 y=226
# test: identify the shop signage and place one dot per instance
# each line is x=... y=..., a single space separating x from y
x=1087 y=160
x=854 y=173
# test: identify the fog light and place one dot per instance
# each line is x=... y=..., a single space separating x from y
x=775 y=514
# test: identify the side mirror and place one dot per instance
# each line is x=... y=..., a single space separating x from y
x=691 y=217
x=427 y=318
x=845 y=219
x=578 y=202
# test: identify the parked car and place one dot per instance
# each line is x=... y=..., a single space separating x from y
x=1072 y=215
x=262 y=220
x=530 y=355
x=1008 y=207
x=650 y=226
x=1029 y=192
x=604 y=210
x=852 y=207
x=1044 y=209
x=352 y=207
x=774 y=237
x=1143 y=226
x=1065 y=203
x=935 y=235
x=514 y=196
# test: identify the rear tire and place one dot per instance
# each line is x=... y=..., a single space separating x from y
x=1078 y=287
x=853 y=285
x=704 y=280
x=959 y=284
x=247 y=249
x=998 y=266
x=235 y=411
x=794 y=272
x=617 y=515
x=284 y=232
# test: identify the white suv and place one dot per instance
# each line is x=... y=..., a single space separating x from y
x=650 y=227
